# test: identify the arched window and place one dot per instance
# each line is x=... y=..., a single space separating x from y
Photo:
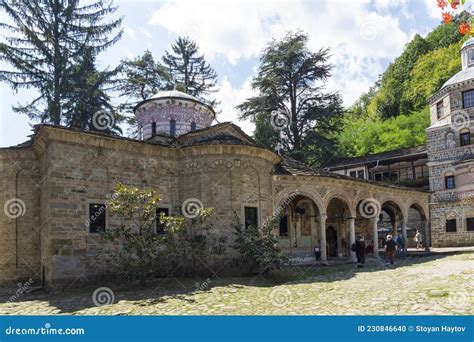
x=449 y=180
x=465 y=137
x=153 y=129
x=172 y=127
x=193 y=126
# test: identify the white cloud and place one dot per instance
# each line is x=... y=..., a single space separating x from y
x=240 y=30
x=432 y=9
x=231 y=97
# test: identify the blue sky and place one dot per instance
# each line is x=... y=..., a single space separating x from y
x=364 y=36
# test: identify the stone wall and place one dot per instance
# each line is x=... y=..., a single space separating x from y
x=447 y=156
x=20 y=223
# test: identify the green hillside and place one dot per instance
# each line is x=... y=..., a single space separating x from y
x=394 y=113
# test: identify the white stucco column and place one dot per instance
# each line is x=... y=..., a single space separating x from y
x=426 y=233
x=375 y=236
x=322 y=227
x=352 y=237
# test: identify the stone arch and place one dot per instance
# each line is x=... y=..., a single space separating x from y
x=288 y=195
x=423 y=209
x=343 y=198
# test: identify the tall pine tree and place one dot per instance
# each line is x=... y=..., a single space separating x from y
x=291 y=97
x=87 y=104
x=189 y=69
x=47 y=37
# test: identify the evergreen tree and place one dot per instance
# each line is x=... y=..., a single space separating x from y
x=291 y=97
x=142 y=78
x=47 y=37
x=190 y=70
x=86 y=104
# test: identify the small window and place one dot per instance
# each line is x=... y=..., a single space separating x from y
x=153 y=129
x=360 y=174
x=172 y=127
x=251 y=216
x=284 y=226
x=353 y=174
x=451 y=225
x=470 y=224
x=449 y=182
x=468 y=99
x=193 y=126
x=440 y=109
x=97 y=217
x=465 y=138
x=160 y=228
x=470 y=59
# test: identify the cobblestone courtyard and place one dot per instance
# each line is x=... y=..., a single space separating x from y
x=439 y=285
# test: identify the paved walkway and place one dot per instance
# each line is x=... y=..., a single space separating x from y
x=439 y=284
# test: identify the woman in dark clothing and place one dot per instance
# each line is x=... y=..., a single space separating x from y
x=360 y=247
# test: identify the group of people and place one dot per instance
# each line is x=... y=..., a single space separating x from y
x=392 y=245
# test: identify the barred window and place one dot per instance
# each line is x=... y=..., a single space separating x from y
x=468 y=99
x=153 y=129
x=449 y=182
x=465 y=137
x=193 y=126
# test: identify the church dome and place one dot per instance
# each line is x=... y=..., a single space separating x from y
x=172 y=112
x=467 y=62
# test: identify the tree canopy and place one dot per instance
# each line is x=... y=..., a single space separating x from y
x=291 y=98
x=47 y=38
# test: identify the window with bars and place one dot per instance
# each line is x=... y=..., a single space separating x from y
x=468 y=99
x=465 y=138
x=172 y=127
x=449 y=182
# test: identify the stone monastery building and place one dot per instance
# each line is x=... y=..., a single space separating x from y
x=51 y=185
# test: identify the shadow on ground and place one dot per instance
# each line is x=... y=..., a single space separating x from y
x=71 y=300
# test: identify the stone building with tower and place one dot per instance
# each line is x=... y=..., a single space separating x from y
x=53 y=184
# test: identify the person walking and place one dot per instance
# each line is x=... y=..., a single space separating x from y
x=418 y=240
x=401 y=243
x=359 y=247
x=390 y=249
